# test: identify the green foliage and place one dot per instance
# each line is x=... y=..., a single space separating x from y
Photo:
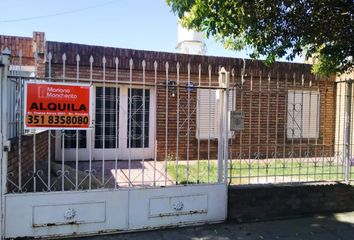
x=278 y=28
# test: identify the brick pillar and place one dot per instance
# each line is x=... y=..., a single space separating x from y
x=39 y=45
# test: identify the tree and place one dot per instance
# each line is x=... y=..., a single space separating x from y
x=276 y=28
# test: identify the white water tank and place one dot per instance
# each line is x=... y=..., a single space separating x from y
x=190 y=41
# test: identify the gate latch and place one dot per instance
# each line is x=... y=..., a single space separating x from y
x=7 y=146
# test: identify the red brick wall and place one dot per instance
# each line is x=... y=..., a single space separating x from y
x=257 y=136
x=279 y=73
x=28 y=46
x=288 y=74
x=27 y=159
x=284 y=75
x=259 y=122
x=18 y=43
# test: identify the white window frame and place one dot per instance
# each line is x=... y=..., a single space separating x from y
x=303 y=129
x=208 y=106
x=123 y=152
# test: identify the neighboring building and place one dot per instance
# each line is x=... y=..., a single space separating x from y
x=288 y=112
x=344 y=114
x=190 y=41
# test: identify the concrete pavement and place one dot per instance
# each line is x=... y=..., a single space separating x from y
x=338 y=226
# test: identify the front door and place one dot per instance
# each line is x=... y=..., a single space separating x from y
x=123 y=127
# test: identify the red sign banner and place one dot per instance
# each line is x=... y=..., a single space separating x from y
x=57 y=105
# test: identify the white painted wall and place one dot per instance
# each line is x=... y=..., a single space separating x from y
x=190 y=41
x=341 y=101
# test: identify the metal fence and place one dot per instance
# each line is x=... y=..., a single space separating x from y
x=157 y=128
x=295 y=130
x=144 y=130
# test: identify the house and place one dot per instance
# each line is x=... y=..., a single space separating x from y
x=279 y=84
x=165 y=106
x=170 y=132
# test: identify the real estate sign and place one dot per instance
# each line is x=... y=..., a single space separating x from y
x=57 y=105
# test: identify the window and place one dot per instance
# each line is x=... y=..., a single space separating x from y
x=207 y=113
x=107 y=117
x=70 y=138
x=303 y=114
x=138 y=118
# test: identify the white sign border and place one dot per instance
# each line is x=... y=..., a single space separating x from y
x=58 y=83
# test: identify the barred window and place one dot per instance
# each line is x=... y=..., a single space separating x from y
x=303 y=114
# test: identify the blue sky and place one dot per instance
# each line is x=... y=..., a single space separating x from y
x=137 y=24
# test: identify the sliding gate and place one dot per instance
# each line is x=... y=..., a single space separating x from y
x=154 y=157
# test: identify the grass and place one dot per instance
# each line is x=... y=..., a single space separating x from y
x=208 y=173
x=257 y=171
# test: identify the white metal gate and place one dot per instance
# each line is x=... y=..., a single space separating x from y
x=157 y=155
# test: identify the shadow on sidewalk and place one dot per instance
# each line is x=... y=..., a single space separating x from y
x=324 y=227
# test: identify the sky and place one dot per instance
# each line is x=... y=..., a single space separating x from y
x=136 y=24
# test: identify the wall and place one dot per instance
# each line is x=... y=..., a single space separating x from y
x=28 y=45
x=343 y=90
x=25 y=159
x=18 y=43
x=25 y=163
x=266 y=202
x=262 y=83
x=264 y=104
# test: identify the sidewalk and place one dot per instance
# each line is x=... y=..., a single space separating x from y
x=331 y=227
